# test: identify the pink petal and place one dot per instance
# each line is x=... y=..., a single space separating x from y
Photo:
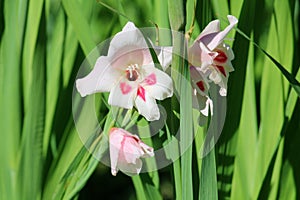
x=101 y=79
x=131 y=149
x=125 y=152
x=115 y=139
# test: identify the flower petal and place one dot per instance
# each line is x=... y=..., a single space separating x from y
x=129 y=169
x=125 y=46
x=115 y=139
x=218 y=38
x=157 y=83
x=148 y=151
x=164 y=56
x=220 y=80
x=200 y=55
x=208 y=107
x=199 y=81
x=194 y=55
x=148 y=107
x=101 y=79
x=212 y=27
x=123 y=94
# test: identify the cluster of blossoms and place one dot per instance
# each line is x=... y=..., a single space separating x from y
x=129 y=74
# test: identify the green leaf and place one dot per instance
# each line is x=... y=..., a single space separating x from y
x=14 y=13
x=55 y=31
x=243 y=176
x=80 y=25
x=31 y=162
x=208 y=181
x=227 y=143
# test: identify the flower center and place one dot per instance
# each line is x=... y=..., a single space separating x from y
x=132 y=72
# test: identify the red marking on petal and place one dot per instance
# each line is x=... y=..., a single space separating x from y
x=221 y=69
x=221 y=57
x=151 y=79
x=200 y=85
x=141 y=93
x=125 y=88
x=132 y=137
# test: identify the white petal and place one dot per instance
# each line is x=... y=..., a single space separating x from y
x=207 y=56
x=128 y=40
x=130 y=55
x=215 y=76
x=130 y=169
x=198 y=100
x=194 y=55
x=218 y=39
x=148 y=151
x=164 y=56
x=196 y=77
x=101 y=79
x=157 y=83
x=129 y=26
x=147 y=107
x=123 y=94
x=208 y=107
x=212 y=27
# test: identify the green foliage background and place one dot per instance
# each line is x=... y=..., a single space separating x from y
x=42 y=45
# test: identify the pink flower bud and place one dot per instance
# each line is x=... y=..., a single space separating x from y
x=126 y=151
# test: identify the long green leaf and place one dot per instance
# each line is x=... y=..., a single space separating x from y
x=31 y=162
x=14 y=13
x=182 y=85
x=80 y=25
x=208 y=182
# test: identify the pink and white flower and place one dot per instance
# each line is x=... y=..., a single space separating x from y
x=211 y=55
x=126 y=151
x=129 y=74
x=200 y=95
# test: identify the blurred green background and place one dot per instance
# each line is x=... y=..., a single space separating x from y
x=44 y=42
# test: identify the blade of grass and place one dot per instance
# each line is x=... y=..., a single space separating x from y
x=145 y=134
x=293 y=82
x=33 y=69
x=80 y=25
x=31 y=162
x=243 y=179
x=31 y=33
x=173 y=154
x=182 y=85
x=14 y=13
x=208 y=182
x=228 y=141
x=70 y=49
x=139 y=189
x=55 y=38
